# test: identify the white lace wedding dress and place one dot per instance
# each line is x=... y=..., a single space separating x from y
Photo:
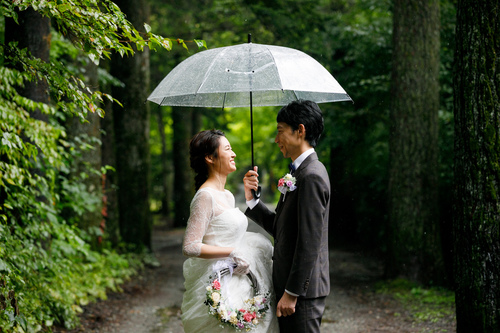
x=215 y=220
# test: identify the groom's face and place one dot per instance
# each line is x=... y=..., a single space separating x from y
x=288 y=141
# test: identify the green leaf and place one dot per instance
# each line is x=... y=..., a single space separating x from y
x=64 y=7
x=94 y=59
x=147 y=27
x=3 y=266
x=200 y=43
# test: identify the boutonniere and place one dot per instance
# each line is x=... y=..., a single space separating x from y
x=287 y=184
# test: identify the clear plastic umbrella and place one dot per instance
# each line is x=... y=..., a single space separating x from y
x=223 y=77
x=247 y=75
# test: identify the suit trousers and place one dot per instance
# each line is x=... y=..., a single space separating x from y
x=307 y=316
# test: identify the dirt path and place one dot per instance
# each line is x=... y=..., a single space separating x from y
x=151 y=303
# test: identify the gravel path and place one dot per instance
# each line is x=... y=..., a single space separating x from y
x=151 y=302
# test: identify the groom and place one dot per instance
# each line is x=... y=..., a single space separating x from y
x=300 y=223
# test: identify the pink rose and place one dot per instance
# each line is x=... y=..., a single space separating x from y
x=281 y=182
x=216 y=284
x=289 y=183
x=248 y=316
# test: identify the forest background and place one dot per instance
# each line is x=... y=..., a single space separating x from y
x=88 y=167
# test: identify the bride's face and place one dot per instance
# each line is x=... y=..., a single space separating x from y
x=225 y=163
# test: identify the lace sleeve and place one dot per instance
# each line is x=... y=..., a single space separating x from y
x=201 y=213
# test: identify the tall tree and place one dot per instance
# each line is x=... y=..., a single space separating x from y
x=131 y=125
x=110 y=179
x=87 y=163
x=165 y=196
x=183 y=183
x=415 y=248
x=477 y=168
x=32 y=31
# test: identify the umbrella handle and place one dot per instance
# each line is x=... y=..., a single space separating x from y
x=256 y=194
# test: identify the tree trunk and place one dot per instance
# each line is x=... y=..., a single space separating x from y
x=90 y=221
x=477 y=169
x=343 y=221
x=165 y=199
x=131 y=124
x=183 y=180
x=32 y=32
x=414 y=243
x=110 y=179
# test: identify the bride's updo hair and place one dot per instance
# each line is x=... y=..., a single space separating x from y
x=205 y=143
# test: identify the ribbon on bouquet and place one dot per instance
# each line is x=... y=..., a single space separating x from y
x=224 y=271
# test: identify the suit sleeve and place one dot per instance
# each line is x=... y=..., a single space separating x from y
x=263 y=216
x=312 y=223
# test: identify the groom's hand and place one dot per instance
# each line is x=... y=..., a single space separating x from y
x=286 y=305
x=251 y=182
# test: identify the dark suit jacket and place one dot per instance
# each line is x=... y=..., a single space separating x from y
x=300 y=230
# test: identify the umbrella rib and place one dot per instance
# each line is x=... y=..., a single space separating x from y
x=209 y=68
x=274 y=61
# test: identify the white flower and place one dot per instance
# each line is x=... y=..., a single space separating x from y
x=224 y=315
x=216 y=297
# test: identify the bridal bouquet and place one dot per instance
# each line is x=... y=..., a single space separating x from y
x=245 y=318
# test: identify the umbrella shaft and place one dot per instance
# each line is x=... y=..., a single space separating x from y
x=251 y=128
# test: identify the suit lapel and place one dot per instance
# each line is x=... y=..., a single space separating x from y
x=281 y=202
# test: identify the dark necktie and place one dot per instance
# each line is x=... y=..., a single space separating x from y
x=291 y=167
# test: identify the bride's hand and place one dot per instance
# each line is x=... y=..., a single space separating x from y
x=242 y=266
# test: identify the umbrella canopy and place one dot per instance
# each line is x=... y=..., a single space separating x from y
x=247 y=75
x=223 y=77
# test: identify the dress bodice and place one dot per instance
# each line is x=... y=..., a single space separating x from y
x=214 y=220
x=226 y=229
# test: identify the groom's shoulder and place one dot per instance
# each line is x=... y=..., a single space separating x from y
x=316 y=169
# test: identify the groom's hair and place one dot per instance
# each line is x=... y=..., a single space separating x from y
x=303 y=112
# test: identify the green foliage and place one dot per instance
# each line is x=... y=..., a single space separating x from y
x=47 y=268
x=267 y=156
x=51 y=272
x=425 y=305
x=97 y=27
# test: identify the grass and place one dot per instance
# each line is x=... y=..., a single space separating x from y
x=424 y=305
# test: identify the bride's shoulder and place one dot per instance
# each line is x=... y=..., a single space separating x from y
x=202 y=195
x=228 y=193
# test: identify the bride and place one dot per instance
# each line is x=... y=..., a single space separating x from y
x=216 y=237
